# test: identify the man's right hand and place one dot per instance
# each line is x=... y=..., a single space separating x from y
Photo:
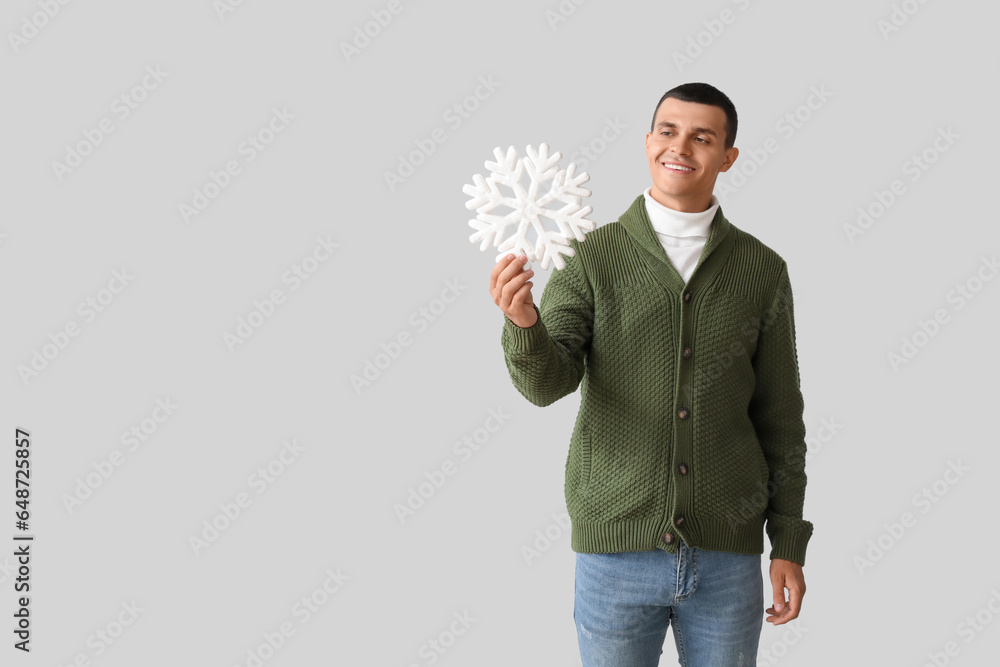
x=511 y=290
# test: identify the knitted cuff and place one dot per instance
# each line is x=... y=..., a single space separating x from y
x=790 y=544
x=525 y=339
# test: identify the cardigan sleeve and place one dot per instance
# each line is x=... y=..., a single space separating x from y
x=776 y=410
x=546 y=360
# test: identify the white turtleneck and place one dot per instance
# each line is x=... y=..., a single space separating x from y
x=681 y=234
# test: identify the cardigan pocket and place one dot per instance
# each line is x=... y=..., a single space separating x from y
x=765 y=473
x=585 y=459
x=578 y=467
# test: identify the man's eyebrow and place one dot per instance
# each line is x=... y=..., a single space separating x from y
x=698 y=130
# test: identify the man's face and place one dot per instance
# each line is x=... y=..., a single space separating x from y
x=687 y=134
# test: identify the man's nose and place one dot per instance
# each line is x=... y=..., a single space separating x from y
x=681 y=147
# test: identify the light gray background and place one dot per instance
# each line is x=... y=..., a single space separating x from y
x=333 y=507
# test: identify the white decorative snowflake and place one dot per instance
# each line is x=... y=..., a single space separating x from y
x=529 y=206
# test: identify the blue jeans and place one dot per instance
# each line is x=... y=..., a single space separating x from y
x=624 y=603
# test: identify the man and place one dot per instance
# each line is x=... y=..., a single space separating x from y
x=689 y=443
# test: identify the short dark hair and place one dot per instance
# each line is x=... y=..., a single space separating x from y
x=703 y=93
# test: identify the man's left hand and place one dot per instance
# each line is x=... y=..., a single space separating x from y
x=786 y=574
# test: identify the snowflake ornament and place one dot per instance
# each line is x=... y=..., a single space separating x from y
x=530 y=206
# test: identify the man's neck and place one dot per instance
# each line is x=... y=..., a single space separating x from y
x=681 y=206
x=667 y=220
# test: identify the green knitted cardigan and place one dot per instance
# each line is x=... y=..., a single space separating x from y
x=690 y=422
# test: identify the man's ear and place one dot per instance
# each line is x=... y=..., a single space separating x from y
x=731 y=155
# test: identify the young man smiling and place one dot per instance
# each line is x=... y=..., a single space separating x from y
x=689 y=442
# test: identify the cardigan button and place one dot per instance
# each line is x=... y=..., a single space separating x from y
x=683 y=413
x=679 y=521
x=687 y=296
x=668 y=538
x=682 y=469
x=686 y=353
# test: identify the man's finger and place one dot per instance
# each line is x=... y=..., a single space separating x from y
x=795 y=600
x=498 y=269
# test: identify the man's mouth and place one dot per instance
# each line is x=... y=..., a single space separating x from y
x=676 y=167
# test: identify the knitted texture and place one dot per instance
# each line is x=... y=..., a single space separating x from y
x=690 y=421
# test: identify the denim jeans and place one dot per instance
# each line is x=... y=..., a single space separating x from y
x=624 y=603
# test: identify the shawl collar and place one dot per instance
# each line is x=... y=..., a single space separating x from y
x=640 y=231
